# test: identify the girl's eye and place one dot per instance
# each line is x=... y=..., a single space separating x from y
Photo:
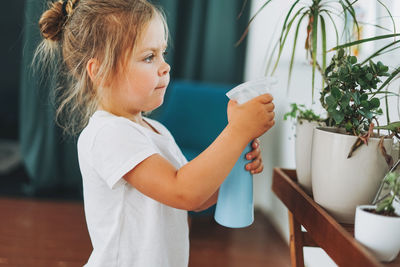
x=149 y=59
x=165 y=53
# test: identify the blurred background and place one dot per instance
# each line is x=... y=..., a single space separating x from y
x=202 y=49
x=38 y=162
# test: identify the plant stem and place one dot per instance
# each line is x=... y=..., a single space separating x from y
x=387 y=107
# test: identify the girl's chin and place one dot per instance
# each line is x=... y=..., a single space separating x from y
x=155 y=106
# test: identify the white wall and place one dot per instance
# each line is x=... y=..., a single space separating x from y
x=278 y=144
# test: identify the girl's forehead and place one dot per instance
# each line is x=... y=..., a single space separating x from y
x=152 y=35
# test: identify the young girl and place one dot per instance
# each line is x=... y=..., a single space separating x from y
x=137 y=184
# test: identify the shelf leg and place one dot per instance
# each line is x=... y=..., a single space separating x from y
x=296 y=242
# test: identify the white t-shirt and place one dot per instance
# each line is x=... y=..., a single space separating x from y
x=126 y=227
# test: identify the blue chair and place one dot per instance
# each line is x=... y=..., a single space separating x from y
x=195 y=114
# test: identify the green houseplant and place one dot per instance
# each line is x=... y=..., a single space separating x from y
x=385 y=205
x=378 y=226
x=311 y=19
x=318 y=13
x=351 y=101
x=392 y=127
x=302 y=113
x=350 y=95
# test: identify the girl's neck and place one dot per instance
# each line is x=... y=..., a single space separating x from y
x=137 y=118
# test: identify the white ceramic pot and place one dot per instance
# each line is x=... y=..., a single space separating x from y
x=341 y=184
x=380 y=234
x=303 y=146
x=396 y=205
x=395 y=152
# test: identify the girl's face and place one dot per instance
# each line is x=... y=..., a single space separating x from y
x=141 y=85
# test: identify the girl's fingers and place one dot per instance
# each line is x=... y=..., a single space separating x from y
x=258 y=170
x=255 y=153
x=256 y=143
x=254 y=165
x=256 y=150
x=270 y=106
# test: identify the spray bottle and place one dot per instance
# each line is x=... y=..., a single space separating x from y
x=235 y=206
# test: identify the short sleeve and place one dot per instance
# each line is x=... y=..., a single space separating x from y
x=166 y=132
x=118 y=147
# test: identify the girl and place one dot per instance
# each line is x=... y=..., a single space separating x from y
x=137 y=184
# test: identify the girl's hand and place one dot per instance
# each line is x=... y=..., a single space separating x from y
x=256 y=166
x=253 y=118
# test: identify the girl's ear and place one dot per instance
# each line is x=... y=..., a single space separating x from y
x=92 y=67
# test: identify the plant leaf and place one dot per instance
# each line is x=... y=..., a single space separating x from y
x=336 y=93
x=287 y=18
x=378 y=52
x=388 y=158
x=353 y=14
x=364 y=41
x=331 y=101
x=323 y=33
x=314 y=43
x=283 y=41
x=354 y=147
x=375 y=103
x=337 y=116
x=394 y=127
x=334 y=26
x=390 y=15
x=391 y=77
x=294 y=48
x=250 y=21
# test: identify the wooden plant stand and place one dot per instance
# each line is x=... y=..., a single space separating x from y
x=322 y=229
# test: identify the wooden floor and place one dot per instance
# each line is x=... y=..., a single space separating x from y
x=53 y=233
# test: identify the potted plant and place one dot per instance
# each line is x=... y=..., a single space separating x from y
x=312 y=19
x=377 y=227
x=346 y=173
x=318 y=14
x=306 y=121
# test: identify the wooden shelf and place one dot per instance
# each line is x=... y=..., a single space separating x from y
x=322 y=229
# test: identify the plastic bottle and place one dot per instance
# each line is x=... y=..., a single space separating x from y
x=235 y=205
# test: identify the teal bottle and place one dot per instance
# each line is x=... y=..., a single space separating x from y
x=235 y=205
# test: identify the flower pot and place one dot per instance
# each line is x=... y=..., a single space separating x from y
x=396 y=205
x=380 y=234
x=303 y=146
x=395 y=152
x=341 y=184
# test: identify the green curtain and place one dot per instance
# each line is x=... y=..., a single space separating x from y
x=49 y=156
x=203 y=35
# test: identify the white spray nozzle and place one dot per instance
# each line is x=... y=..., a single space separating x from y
x=248 y=90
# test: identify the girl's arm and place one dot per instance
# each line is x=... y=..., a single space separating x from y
x=194 y=183
x=211 y=201
x=256 y=166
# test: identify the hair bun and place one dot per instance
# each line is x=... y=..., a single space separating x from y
x=52 y=22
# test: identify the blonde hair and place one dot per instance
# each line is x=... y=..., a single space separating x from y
x=77 y=31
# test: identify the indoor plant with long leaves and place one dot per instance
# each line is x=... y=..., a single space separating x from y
x=311 y=19
x=317 y=14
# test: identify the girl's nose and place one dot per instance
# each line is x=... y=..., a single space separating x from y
x=164 y=69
